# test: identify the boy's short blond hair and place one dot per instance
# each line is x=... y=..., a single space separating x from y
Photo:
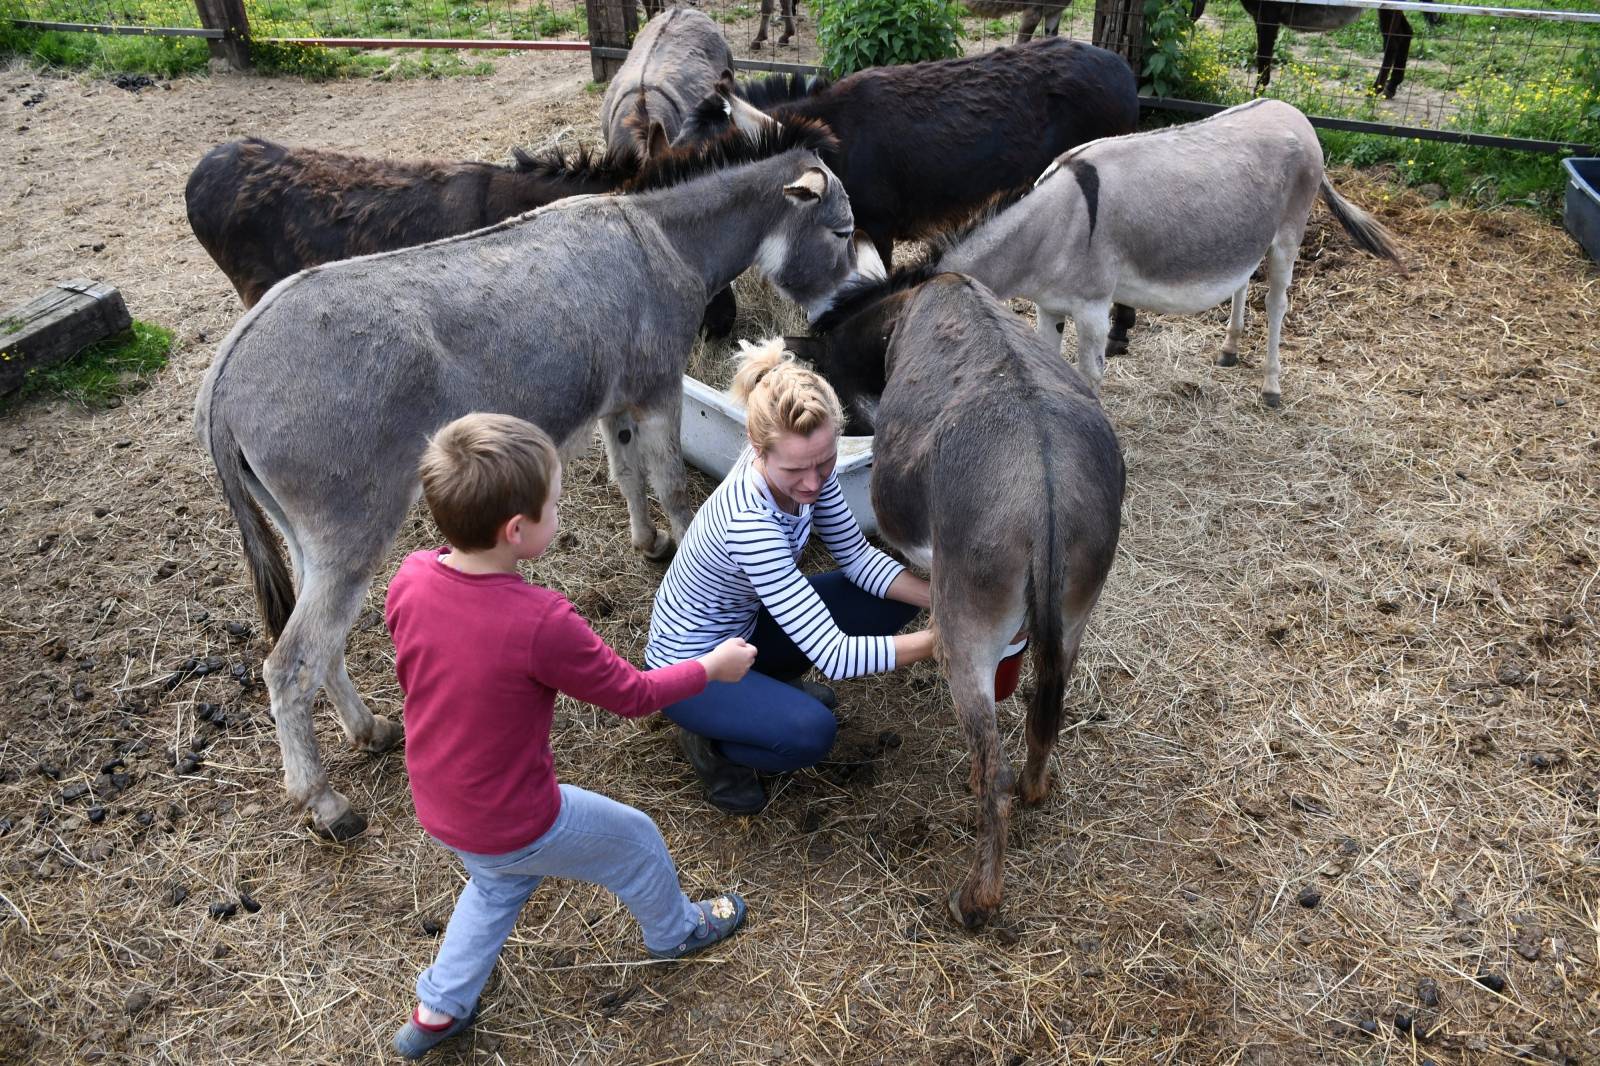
x=483 y=469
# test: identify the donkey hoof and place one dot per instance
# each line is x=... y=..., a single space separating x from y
x=971 y=919
x=1271 y=399
x=1228 y=359
x=386 y=733
x=1034 y=791
x=347 y=826
x=783 y=42
x=662 y=548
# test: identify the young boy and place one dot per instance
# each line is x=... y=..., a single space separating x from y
x=480 y=655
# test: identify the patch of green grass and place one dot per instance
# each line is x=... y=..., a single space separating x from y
x=736 y=13
x=102 y=372
x=171 y=56
x=102 y=54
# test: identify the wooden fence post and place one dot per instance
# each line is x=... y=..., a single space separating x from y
x=229 y=17
x=612 y=24
x=1119 y=27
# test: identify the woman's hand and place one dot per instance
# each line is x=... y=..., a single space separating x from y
x=729 y=661
x=913 y=647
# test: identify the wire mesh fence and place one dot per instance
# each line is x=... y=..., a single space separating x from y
x=1525 y=70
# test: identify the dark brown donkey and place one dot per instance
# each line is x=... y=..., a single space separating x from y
x=993 y=468
x=922 y=146
x=264 y=211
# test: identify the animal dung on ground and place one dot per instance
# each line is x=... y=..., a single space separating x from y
x=223 y=909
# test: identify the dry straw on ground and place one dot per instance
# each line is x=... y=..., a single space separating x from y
x=1347 y=657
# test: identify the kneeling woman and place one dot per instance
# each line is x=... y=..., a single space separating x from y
x=736 y=575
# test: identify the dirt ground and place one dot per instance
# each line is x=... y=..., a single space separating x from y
x=1331 y=792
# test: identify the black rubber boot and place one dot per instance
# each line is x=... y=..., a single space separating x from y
x=729 y=787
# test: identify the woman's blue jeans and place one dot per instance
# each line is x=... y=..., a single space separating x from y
x=762 y=721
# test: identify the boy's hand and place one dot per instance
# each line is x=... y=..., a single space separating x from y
x=730 y=660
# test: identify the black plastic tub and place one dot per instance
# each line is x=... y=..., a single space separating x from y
x=1582 y=212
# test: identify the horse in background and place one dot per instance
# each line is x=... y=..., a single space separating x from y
x=1308 y=16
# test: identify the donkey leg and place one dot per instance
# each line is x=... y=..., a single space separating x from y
x=766 y=19
x=311 y=644
x=1230 y=343
x=663 y=456
x=1266 y=41
x=972 y=686
x=1049 y=325
x=788 y=21
x=1029 y=21
x=374 y=733
x=625 y=457
x=1122 y=319
x=1280 y=272
x=1093 y=324
x=1396 y=29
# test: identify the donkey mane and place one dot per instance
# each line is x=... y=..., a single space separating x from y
x=941 y=243
x=610 y=166
x=859 y=293
x=734 y=148
x=775 y=89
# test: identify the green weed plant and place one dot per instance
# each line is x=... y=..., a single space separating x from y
x=856 y=34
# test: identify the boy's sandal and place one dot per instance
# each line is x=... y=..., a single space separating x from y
x=414 y=1040
x=719 y=918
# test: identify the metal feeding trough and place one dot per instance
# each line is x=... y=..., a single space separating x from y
x=714 y=435
x=1582 y=211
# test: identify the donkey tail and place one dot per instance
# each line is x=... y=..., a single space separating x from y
x=268 y=572
x=1367 y=232
x=1047 y=586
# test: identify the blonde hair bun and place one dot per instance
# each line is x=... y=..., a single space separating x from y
x=781 y=395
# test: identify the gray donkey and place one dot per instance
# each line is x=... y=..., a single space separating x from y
x=1174 y=220
x=672 y=65
x=320 y=400
x=994 y=468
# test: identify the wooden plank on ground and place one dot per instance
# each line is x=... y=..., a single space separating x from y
x=57 y=325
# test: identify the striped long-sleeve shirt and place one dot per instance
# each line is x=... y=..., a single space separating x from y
x=741 y=554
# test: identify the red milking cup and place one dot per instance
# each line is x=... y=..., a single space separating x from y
x=1009 y=672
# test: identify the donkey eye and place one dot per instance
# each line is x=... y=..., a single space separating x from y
x=844 y=235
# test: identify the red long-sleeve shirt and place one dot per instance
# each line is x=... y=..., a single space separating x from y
x=480 y=658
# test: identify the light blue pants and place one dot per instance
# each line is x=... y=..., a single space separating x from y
x=593 y=839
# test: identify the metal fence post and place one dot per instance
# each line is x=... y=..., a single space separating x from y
x=229 y=17
x=1119 y=28
x=612 y=24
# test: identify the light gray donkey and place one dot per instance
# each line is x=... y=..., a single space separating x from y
x=995 y=469
x=672 y=65
x=320 y=400
x=1174 y=220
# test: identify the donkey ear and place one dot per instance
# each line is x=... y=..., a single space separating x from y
x=656 y=144
x=725 y=83
x=808 y=187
